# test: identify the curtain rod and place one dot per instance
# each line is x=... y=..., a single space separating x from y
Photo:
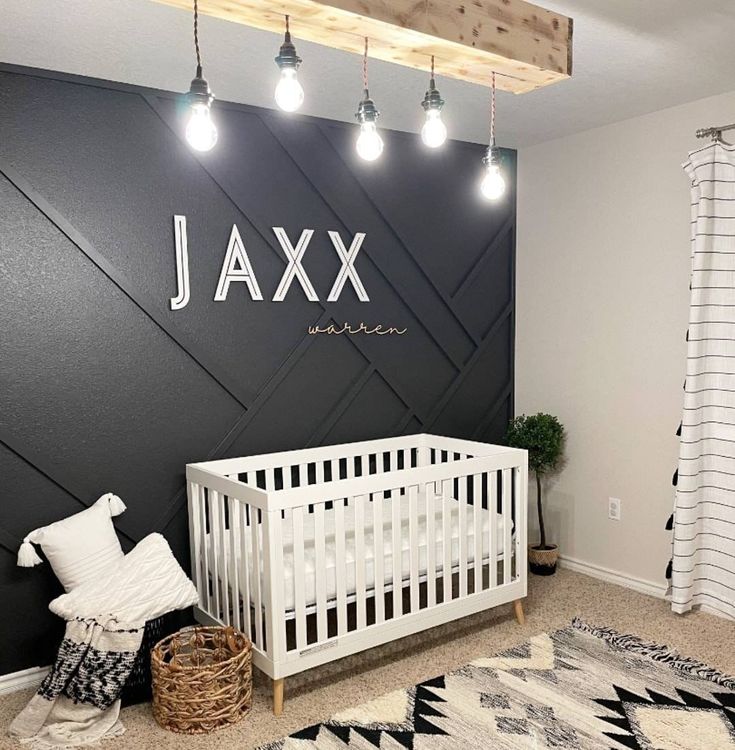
x=714 y=132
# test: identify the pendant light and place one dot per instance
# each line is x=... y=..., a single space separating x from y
x=201 y=132
x=493 y=183
x=289 y=93
x=369 y=143
x=434 y=132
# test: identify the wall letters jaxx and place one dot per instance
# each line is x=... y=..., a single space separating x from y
x=237 y=266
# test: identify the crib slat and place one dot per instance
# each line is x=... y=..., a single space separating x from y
x=214 y=537
x=462 y=530
x=225 y=559
x=255 y=569
x=397 y=553
x=320 y=568
x=359 y=507
x=413 y=545
x=194 y=532
x=492 y=507
x=204 y=593
x=383 y=466
x=507 y=550
x=245 y=564
x=520 y=480
x=270 y=480
x=477 y=528
x=378 y=557
x=340 y=566
x=446 y=487
x=297 y=518
x=430 y=501
x=275 y=621
x=235 y=551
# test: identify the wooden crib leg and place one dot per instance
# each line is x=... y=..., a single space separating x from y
x=518 y=609
x=277 y=697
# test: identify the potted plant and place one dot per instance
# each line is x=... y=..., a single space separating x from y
x=542 y=435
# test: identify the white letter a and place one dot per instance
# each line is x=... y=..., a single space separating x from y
x=236 y=267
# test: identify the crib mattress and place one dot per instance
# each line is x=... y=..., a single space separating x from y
x=308 y=578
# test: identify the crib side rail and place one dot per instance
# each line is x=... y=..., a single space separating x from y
x=269 y=461
x=305 y=494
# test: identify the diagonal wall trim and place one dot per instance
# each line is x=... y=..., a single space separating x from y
x=506 y=313
x=489 y=415
x=9 y=542
x=35 y=461
x=407 y=417
x=484 y=256
x=352 y=393
x=232 y=386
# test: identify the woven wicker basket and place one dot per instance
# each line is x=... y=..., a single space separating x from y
x=202 y=679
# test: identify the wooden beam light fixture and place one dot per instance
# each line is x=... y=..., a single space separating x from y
x=526 y=46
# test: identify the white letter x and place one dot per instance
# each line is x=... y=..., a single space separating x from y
x=348 y=270
x=294 y=267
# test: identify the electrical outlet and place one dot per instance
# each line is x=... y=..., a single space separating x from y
x=614 y=508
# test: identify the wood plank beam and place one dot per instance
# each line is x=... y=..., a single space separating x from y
x=527 y=46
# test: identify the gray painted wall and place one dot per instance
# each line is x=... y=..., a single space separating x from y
x=104 y=388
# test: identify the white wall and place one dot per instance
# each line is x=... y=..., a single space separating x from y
x=602 y=295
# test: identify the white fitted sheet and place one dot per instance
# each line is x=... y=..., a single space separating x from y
x=308 y=578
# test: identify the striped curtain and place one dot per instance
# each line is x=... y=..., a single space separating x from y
x=703 y=565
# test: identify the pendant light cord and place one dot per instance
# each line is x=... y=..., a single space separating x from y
x=432 y=67
x=196 y=38
x=492 y=113
x=365 y=67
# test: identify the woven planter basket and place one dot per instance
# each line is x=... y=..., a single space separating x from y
x=543 y=558
x=202 y=679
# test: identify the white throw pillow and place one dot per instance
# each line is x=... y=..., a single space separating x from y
x=147 y=583
x=79 y=547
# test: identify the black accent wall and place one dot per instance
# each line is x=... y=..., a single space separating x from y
x=104 y=388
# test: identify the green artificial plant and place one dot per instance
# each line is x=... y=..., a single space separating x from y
x=542 y=435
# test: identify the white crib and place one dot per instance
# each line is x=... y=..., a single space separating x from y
x=317 y=554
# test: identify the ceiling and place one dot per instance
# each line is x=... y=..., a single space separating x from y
x=631 y=57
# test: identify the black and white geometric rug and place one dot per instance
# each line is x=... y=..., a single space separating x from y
x=577 y=689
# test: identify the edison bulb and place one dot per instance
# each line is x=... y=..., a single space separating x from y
x=369 y=142
x=289 y=94
x=493 y=184
x=434 y=132
x=201 y=132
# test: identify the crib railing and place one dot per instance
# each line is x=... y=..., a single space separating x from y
x=403 y=534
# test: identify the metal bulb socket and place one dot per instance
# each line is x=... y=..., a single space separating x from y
x=287 y=57
x=366 y=109
x=432 y=98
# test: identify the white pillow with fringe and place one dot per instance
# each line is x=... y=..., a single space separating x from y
x=80 y=547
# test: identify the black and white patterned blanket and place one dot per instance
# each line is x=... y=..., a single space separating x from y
x=78 y=702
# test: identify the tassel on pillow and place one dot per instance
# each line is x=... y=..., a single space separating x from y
x=27 y=555
x=117 y=506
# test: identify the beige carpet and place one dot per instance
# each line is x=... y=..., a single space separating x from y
x=316 y=695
